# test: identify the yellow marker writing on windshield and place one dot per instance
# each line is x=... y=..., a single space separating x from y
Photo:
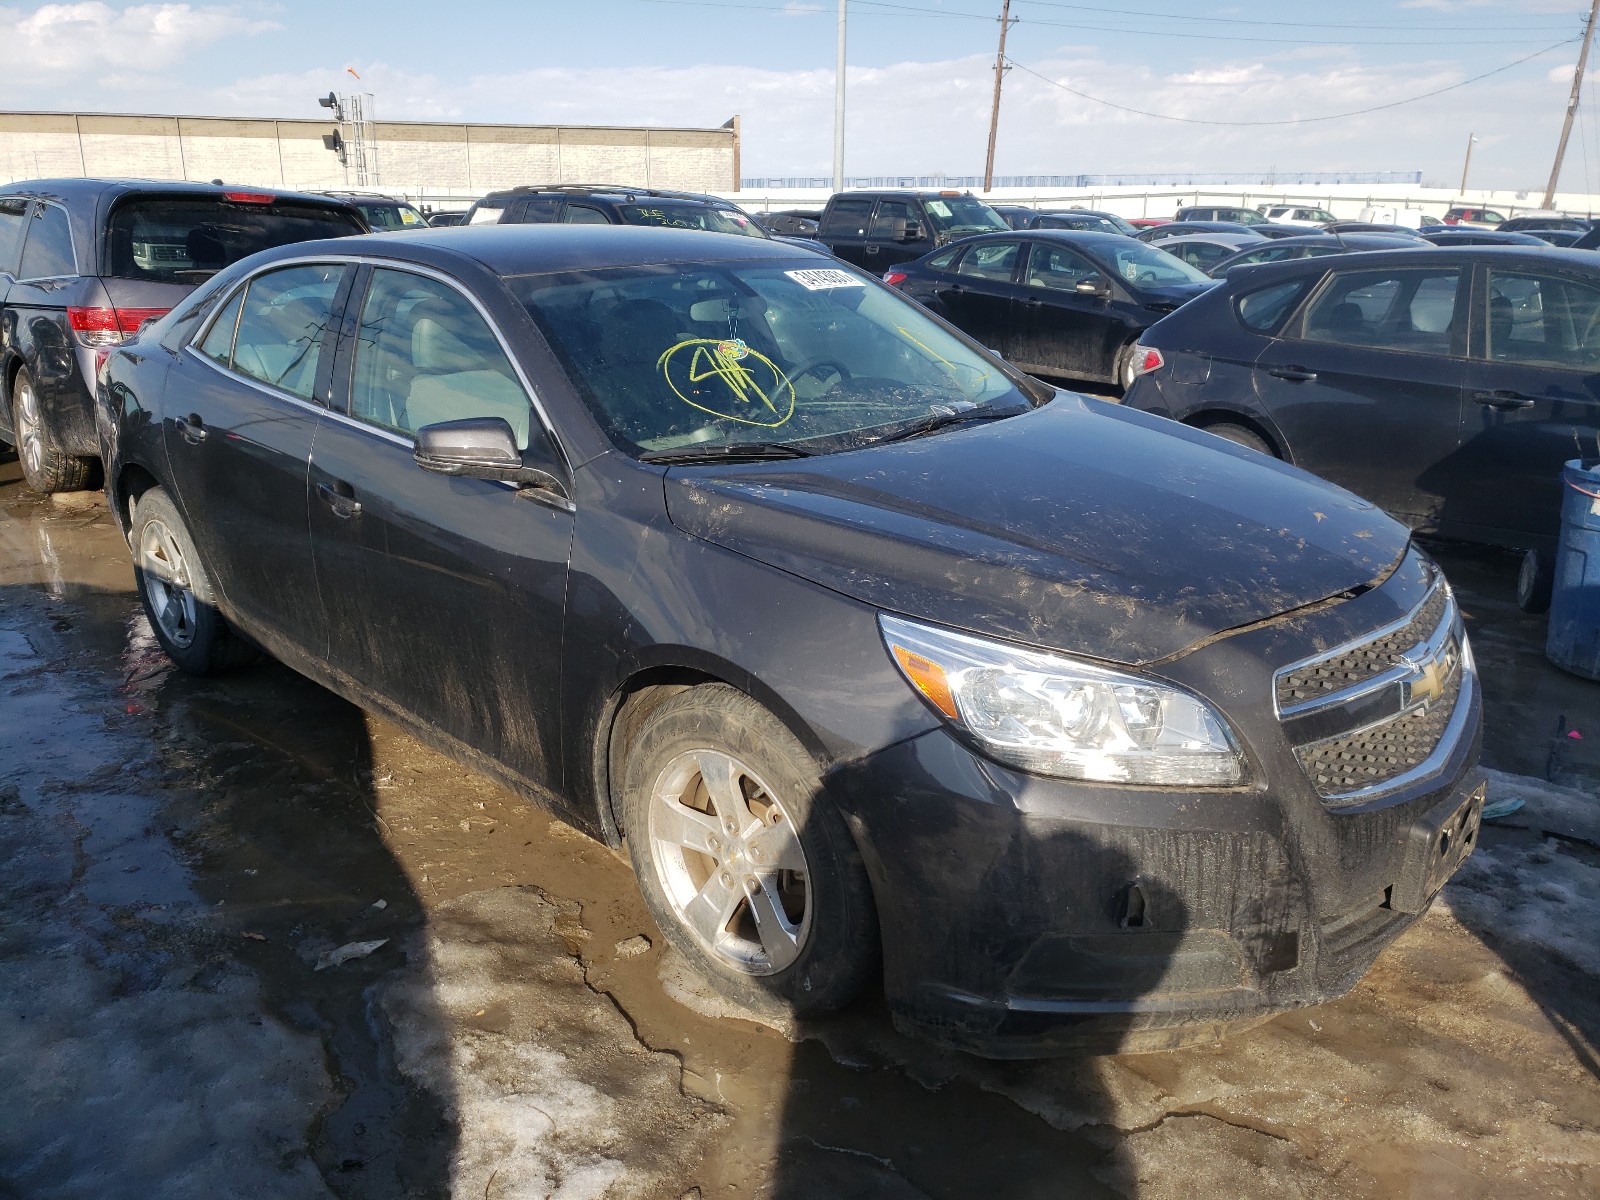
x=756 y=391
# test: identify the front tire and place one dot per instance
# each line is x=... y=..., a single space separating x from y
x=176 y=591
x=744 y=863
x=46 y=468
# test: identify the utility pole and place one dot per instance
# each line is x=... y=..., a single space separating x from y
x=838 y=107
x=1572 y=104
x=1471 y=137
x=999 y=74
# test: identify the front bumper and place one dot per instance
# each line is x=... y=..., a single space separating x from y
x=1025 y=916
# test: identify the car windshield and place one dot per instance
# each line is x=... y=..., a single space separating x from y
x=962 y=214
x=717 y=356
x=190 y=239
x=1246 y=216
x=1149 y=266
x=690 y=216
x=385 y=214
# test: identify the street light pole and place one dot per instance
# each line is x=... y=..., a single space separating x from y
x=1471 y=137
x=838 y=108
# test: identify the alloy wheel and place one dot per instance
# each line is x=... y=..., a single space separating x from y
x=166 y=583
x=30 y=431
x=730 y=861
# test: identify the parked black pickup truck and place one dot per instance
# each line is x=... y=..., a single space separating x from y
x=876 y=230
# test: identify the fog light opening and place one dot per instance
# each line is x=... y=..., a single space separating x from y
x=1132 y=907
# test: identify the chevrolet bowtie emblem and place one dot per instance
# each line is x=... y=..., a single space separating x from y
x=1429 y=686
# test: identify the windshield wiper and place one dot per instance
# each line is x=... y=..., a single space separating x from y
x=754 y=451
x=942 y=417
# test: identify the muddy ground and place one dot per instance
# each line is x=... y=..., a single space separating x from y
x=256 y=943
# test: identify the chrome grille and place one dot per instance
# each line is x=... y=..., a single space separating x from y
x=1382 y=753
x=1367 y=716
x=1357 y=664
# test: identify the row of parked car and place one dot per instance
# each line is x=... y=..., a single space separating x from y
x=879 y=657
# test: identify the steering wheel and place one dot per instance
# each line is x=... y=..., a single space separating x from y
x=840 y=371
x=1145 y=277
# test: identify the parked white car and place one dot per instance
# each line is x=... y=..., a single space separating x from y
x=1389 y=214
x=1297 y=214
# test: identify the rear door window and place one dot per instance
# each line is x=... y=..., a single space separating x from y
x=1543 y=321
x=539 y=210
x=1411 y=310
x=847 y=218
x=13 y=224
x=189 y=239
x=218 y=342
x=283 y=326
x=994 y=261
x=583 y=214
x=47 y=253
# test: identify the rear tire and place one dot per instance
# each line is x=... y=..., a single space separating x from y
x=743 y=861
x=1536 y=581
x=1125 y=367
x=46 y=468
x=1242 y=435
x=176 y=592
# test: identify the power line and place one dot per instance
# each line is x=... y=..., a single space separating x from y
x=1423 y=26
x=863 y=8
x=1359 y=112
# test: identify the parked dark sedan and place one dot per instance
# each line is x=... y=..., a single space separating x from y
x=1313 y=245
x=1447 y=386
x=791 y=222
x=1086 y=220
x=1069 y=305
x=1171 y=229
x=1559 y=237
x=859 y=641
x=84 y=262
x=1466 y=235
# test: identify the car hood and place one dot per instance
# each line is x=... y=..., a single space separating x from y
x=1079 y=526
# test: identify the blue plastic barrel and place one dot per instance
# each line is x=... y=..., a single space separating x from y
x=1573 y=642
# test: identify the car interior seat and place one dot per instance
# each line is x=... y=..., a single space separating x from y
x=1501 y=319
x=277 y=342
x=460 y=371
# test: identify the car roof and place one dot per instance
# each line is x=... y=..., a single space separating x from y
x=67 y=190
x=539 y=249
x=1423 y=256
x=1218 y=238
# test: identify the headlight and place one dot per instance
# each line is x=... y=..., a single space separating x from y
x=1054 y=716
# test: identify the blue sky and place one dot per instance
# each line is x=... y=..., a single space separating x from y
x=921 y=71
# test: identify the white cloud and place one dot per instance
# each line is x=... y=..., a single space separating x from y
x=63 y=43
x=929 y=117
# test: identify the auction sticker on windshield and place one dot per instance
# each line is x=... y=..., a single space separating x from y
x=821 y=279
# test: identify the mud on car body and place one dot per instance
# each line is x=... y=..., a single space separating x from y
x=84 y=262
x=868 y=648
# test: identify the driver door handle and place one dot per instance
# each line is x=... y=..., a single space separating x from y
x=1503 y=401
x=1292 y=374
x=1033 y=302
x=341 y=498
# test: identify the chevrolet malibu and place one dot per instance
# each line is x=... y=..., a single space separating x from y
x=882 y=660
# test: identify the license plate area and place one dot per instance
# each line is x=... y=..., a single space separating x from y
x=1439 y=843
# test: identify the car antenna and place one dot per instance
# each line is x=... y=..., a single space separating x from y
x=1338 y=237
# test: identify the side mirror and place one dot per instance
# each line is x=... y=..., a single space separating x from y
x=1092 y=287
x=485 y=448
x=912 y=232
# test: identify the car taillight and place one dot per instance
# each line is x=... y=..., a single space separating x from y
x=894 y=278
x=1147 y=359
x=249 y=197
x=109 y=326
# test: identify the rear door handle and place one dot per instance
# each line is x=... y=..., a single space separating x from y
x=1033 y=302
x=1503 y=401
x=872 y=249
x=340 y=497
x=192 y=428
x=1292 y=374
